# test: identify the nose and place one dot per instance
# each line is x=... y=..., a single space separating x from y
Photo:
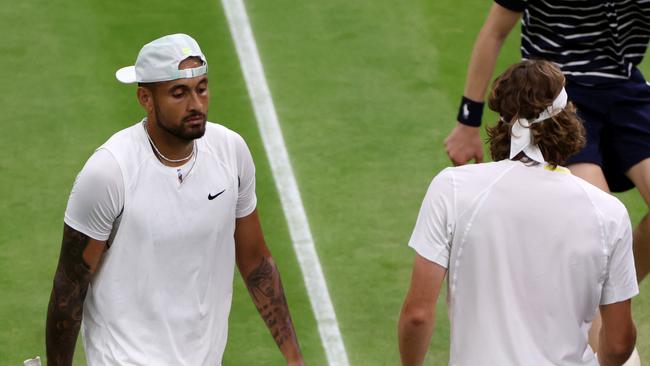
x=195 y=102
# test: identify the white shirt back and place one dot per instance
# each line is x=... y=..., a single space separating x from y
x=531 y=253
x=162 y=293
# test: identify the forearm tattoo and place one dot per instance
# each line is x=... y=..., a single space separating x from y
x=66 y=301
x=266 y=289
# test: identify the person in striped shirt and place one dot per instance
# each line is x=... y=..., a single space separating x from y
x=597 y=45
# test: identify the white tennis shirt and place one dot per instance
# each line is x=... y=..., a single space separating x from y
x=162 y=293
x=531 y=253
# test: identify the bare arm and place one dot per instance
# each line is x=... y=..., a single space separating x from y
x=498 y=25
x=419 y=311
x=617 y=335
x=263 y=281
x=464 y=143
x=78 y=261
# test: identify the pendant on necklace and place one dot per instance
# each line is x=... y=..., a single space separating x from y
x=180 y=175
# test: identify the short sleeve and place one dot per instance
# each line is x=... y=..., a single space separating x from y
x=620 y=283
x=97 y=196
x=513 y=5
x=434 y=227
x=246 y=200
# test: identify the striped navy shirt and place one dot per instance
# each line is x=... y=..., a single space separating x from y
x=592 y=41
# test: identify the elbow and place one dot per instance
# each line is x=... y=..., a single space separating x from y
x=498 y=39
x=68 y=290
x=59 y=282
x=414 y=318
x=62 y=284
x=620 y=355
x=491 y=36
x=623 y=350
x=619 y=350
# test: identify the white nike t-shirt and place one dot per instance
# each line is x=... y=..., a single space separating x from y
x=162 y=293
x=531 y=253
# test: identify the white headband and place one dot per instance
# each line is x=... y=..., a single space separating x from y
x=520 y=139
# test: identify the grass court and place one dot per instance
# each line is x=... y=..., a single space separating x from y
x=365 y=92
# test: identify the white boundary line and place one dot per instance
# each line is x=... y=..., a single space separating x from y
x=267 y=121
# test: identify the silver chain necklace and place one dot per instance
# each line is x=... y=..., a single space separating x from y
x=146 y=130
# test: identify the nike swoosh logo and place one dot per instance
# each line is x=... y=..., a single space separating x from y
x=211 y=197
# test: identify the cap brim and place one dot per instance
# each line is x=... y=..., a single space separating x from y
x=126 y=75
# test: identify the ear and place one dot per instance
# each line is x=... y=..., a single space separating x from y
x=145 y=98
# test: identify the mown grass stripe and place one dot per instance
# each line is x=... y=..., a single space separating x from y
x=285 y=181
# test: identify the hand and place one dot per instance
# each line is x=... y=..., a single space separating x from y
x=464 y=144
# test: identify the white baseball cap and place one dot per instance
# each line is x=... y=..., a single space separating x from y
x=158 y=60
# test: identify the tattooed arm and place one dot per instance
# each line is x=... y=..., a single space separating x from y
x=263 y=281
x=77 y=263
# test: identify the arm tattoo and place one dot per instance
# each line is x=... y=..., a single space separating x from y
x=66 y=301
x=266 y=290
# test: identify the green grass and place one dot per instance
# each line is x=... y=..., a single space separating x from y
x=383 y=81
x=365 y=91
x=65 y=102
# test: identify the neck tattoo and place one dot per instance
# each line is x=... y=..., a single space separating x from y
x=188 y=157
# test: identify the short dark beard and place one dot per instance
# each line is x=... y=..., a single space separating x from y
x=178 y=131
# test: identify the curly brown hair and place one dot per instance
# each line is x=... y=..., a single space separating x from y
x=524 y=90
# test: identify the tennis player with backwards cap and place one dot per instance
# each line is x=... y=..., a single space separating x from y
x=156 y=221
x=531 y=252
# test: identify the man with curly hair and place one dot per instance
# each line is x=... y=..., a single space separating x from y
x=531 y=251
x=597 y=45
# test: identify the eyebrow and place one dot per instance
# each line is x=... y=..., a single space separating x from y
x=185 y=86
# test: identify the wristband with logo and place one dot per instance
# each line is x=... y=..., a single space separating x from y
x=470 y=112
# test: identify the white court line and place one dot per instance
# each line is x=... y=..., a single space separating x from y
x=267 y=121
